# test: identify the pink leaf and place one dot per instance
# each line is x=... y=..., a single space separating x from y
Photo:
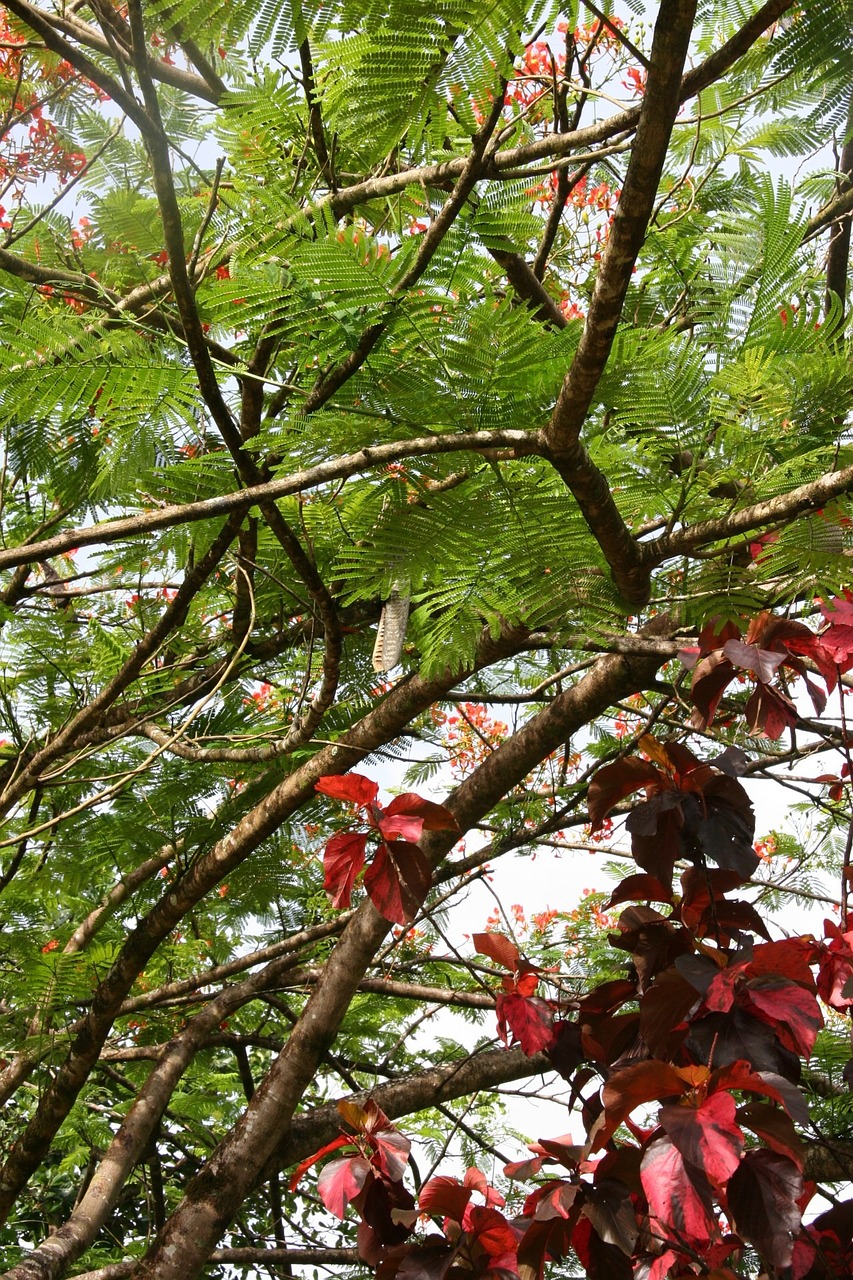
x=401 y=827
x=341 y=1181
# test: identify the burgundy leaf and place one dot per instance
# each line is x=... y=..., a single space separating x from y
x=771 y=712
x=354 y=787
x=708 y=1136
x=762 y=1200
x=342 y=861
x=497 y=948
x=600 y=1260
x=663 y=1009
x=711 y=678
x=434 y=816
x=341 y=1181
x=609 y=1208
x=775 y=1128
x=740 y=1075
x=616 y=781
x=527 y=1019
x=398 y=880
x=639 y=888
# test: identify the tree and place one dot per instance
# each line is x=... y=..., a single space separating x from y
x=518 y=333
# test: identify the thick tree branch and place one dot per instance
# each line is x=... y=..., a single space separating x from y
x=561 y=437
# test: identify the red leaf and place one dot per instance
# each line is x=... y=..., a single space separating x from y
x=296 y=1176
x=477 y=1181
x=354 y=787
x=497 y=948
x=398 y=880
x=740 y=1075
x=341 y=1181
x=552 y=1200
x=434 y=816
x=762 y=1200
x=679 y=1196
x=771 y=712
x=792 y=1011
x=342 y=861
x=707 y=1136
x=492 y=1232
x=445 y=1197
x=616 y=781
x=530 y=1019
x=630 y=1088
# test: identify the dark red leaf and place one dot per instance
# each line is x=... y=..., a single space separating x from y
x=734 y=915
x=679 y=1196
x=616 y=781
x=708 y=1136
x=600 y=1260
x=711 y=678
x=497 y=948
x=762 y=1201
x=741 y=1076
x=398 y=881
x=775 y=1128
x=724 y=1038
x=342 y=861
x=434 y=816
x=341 y=1181
x=354 y=787
x=609 y=1208
x=639 y=888
x=663 y=1009
x=771 y=712
x=527 y=1019
x=543 y=1242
